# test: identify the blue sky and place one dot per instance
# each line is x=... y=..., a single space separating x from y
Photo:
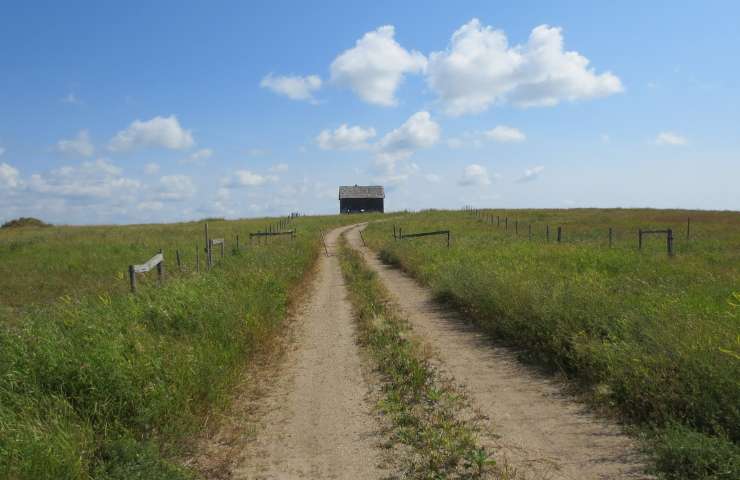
x=139 y=112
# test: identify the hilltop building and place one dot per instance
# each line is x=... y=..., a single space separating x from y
x=359 y=199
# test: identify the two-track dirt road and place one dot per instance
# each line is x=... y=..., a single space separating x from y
x=314 y=415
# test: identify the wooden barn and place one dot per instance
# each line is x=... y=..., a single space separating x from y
x=358 y=199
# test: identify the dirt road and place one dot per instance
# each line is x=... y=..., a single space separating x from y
x=318 y=421
x=541 y=431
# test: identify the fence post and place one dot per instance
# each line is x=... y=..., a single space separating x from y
x=206 y=234
x=669 y=240
x=610 y=237
x=222 y=249
x=688 y=228
x=400 y=233
x=516 y=227
x=209 y=253
x=197 y=258
x=639 y=239
x=560 y=231
x=547 y=233
x=529 y=228
x=237 y=243
x=132 y=278
x=498 y=221
x=506 y=224
x=448 y=239
x=160 y=270
x=394 y=232
x=179 y=264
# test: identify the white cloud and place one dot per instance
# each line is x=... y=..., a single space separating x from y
x=375 y=66
x=9 y=176
x=670 y=138
x=345 y=138
x=279 y=167
x=294 y=87
x=531 y=174
x=164 y=132
x=480 y=69
x=504 y=134
x=81 y=145
x=96 y=179
x=474 y=174
x=199 y=156
x=151 y=168
x=419 y=131
x=245 y=178
x=176 y=187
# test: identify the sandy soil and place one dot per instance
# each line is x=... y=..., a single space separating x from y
x=313 y=418
x=540 y=430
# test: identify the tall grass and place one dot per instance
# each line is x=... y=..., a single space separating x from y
x=654 y=337
x=103 y=384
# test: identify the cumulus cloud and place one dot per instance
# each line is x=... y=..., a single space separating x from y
x=151 y=168
x=531 y=174
x=345 y=138
x=293 y=87
x=80 y=145
x=164 y=132
x=176 y=187
x=670 y=138
x=246 y=178
x=9 y=176
x=375 y=66
x=479 y=69
x=95 y=179
x=418 y=132
x=504 y=134
x=474 y=174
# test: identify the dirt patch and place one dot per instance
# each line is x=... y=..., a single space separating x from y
x=540 y=430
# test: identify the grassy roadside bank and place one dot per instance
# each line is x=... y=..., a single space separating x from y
x=424 y=411
x=111 y=385
x=651 y=337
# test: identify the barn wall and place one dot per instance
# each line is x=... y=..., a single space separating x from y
x=357 y=205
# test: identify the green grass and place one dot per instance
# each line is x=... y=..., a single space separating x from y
x=423 y=409
x=98 y=383
x=656 y=339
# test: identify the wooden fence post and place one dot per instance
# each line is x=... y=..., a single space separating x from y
x=177 y=255
x=688 y=228
x=610 y=237
x=547 y=233
x=132 y=278
x=448 y=239
x=206 y=235
x=529 y=228
x=160 y=271
x=669 y=241
x=639 y=239
x=197 y=258
x=209 y=254
x=498 y=221
x=506 y=224
x=237 y=243
x=560 y=231
x=516 y=227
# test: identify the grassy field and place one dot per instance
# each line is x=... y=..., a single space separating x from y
x=98 y=383
x=654 y=338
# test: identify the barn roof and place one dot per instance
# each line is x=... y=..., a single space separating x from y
x=357 y=191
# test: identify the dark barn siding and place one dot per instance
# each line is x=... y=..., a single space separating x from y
x=357 y=205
